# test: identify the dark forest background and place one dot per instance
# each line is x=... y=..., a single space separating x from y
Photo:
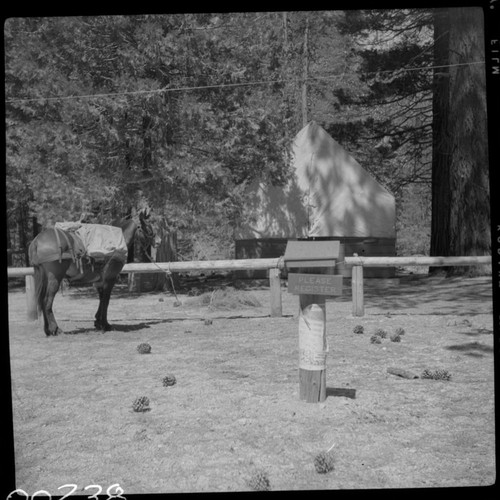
x=180 y=113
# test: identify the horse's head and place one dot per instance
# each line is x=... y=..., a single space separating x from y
x=139 y=237
x=145 y=233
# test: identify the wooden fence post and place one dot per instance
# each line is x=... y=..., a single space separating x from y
x=358 y=305
x=275 y=289
x=131 y=282
x=31 y=303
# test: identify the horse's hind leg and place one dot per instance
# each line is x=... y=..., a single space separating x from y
x=55 y=273
x=97 y=322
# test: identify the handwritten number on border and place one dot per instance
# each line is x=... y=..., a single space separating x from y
x=99 y=488
x=74 y=486
x=18 y=491
x=119 y=492
x=40 y=492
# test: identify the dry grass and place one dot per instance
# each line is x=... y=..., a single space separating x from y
x=235 y=407
x=227 y=299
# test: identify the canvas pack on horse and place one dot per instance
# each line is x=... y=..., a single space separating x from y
x=84 y=253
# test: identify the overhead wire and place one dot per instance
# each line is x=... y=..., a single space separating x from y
x=232 y=85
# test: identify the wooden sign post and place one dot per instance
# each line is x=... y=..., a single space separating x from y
x=316 y=261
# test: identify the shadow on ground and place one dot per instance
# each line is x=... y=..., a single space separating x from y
x=474 y=349
x=444 y=296
x=438 y=295
x=340 y=392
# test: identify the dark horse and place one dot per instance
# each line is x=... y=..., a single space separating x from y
x=51 y=254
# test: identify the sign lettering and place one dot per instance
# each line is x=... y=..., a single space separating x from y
x=315 y=284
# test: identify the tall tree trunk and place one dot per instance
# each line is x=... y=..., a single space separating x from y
x=460 y=190
x=147 y=155
x=305 y=72
x=288 y=101
x=440 y=223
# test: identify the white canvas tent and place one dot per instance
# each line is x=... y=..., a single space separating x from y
x=329 y=195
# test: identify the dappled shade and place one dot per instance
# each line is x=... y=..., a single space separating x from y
x=330 y=194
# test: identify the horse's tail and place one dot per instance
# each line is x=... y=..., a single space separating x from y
x=40 y=275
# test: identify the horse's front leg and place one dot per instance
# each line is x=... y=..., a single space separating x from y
x=110 y=273
x=97 y=322
x=101 y=316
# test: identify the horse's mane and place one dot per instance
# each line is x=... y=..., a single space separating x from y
x=129 y=228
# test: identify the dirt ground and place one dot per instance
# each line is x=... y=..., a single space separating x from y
x=235 y=407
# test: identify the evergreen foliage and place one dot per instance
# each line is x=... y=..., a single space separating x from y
x=107 y=114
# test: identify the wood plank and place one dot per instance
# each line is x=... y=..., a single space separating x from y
x=358 y=304
x=248 y=264
x=31 y=302
x=418 y=261
x=275 y=291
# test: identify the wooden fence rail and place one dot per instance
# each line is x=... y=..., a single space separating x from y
x=274 y=265
x=357 y=263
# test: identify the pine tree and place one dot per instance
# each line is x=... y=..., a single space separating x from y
x=460 y=202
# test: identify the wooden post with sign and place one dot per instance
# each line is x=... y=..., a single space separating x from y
x=315 y=260
x=312 y=345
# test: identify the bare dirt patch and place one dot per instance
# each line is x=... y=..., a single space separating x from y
x=235 y=409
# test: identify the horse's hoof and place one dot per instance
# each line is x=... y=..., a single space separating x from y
x=103 y=328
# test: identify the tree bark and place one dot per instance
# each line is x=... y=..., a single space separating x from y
x=460 y=187
x=305 y=74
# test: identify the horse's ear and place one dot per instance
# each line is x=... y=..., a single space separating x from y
x=144 y=213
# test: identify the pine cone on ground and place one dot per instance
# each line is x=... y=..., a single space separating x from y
x=436 y=374
x=380 y=332
x=144 y=348
x=442 y=375
x=324 y=462
x=396 y=337
x=259 y=481
x=400 y=331
x=375 y=339
x=169 y=380
x=359 y=329
x=141 y=404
